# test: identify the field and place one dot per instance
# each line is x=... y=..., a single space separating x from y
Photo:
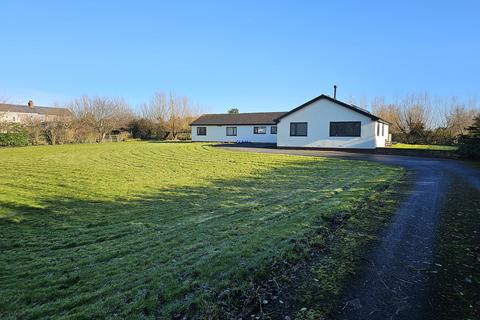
x=162 y=230
x=424 y=147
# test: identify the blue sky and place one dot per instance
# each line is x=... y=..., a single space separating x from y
x=254 y=55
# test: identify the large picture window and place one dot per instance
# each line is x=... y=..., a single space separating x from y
x=273 y=130
x=345 y=129
x=231 y=131
x=298 y=129
x=259 y=130
x=201 y=131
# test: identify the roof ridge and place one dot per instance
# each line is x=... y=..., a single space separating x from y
x=26 y=106
x=244 y=113
x=334 y=100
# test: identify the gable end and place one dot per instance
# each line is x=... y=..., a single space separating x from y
x=338 y=102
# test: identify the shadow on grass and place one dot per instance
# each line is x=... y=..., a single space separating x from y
x=195 y=250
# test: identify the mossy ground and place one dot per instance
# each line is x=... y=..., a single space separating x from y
x=162 y=230
x=456 y=282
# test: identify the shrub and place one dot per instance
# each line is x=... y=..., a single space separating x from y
x=15 y=136
x=469 y=144
x=146 y=129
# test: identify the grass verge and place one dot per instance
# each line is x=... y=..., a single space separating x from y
x=456 y=281
x=424 y=147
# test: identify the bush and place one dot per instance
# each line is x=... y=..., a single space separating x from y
x=146 y=129
x=469 y=144
x=15 y=136
x=438 y=136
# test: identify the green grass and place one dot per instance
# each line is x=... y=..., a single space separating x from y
x=456 y=282
x=424 y=147
x=158 y=230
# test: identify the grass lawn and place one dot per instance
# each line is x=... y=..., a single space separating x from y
x=163 y=230
x=424 y=147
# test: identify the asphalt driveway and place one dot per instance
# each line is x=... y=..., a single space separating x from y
x=398 y=279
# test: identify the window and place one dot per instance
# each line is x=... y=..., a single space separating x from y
x=273 y=130
x=231 y=131
x=298 y=129
x=345 y=129
x=201 y=131
x=259 y=130
x=383 y=129
x=378 y=128
x=13 y=118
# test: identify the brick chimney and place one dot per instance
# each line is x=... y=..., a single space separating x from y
x=30 y=104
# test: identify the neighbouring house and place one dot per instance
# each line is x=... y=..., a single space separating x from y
x=13 y=113
x=323 y=122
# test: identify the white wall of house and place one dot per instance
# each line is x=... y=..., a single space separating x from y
x=20 y=117
x=244 y=134
x=318 y=115
x=381 y=134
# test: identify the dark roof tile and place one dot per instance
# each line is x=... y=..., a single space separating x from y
x=265 y=118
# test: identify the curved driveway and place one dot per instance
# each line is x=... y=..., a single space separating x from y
x=394 y=284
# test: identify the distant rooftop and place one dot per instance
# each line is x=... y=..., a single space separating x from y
x=31 y=108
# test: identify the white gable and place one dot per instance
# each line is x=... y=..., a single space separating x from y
x=318 y=116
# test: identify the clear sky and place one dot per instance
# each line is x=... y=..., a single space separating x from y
x=253 y=55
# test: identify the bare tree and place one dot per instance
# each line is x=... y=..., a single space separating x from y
x=458 y=116
x=35 y=129
x=389 y=112
x=172 y=112
x=157 y=109
x=101 y=114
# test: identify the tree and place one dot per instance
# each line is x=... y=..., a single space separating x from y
x=35 y=129
x=469 y=143
x=389 y=112
x=56 y=130
x=457 y=117
x=233 y=111
x=172 y=112
x=102 y=115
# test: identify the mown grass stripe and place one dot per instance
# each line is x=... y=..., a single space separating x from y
x=138 y=229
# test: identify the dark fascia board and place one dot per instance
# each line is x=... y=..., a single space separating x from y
x=343 y=104
x=232 y=124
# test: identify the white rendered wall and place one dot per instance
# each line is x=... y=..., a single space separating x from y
x=244 y=134
x=380 y=139
x=318 y=116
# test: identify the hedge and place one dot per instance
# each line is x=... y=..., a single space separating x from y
x=15 y=137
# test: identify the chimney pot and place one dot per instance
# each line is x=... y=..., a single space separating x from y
x=335 y=91
x=30 y=104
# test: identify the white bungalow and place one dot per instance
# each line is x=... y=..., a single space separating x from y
x=323 y=122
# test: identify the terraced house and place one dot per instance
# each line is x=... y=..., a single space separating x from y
x=24 y=114
x=323 y=122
